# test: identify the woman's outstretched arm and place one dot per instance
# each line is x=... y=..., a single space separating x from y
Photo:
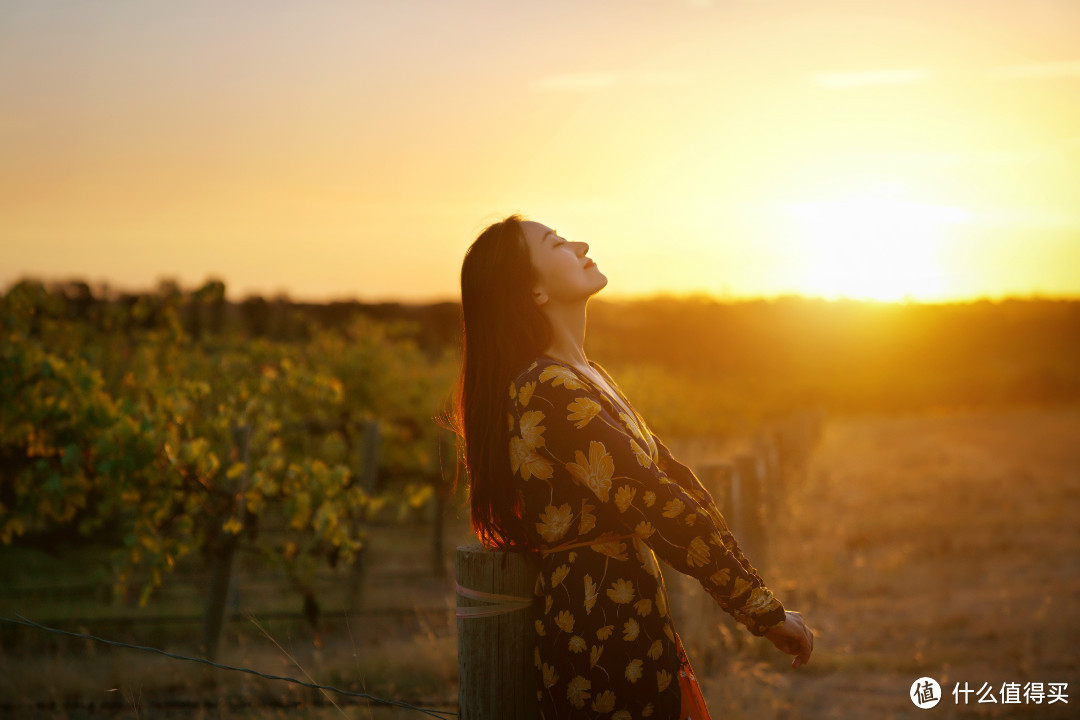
x=563 y=433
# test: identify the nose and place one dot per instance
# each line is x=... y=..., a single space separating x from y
x=582 y=248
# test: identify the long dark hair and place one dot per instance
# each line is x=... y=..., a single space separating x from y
x=503 y=330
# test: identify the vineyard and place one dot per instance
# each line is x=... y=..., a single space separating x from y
x=156 y=428
x=264 y=483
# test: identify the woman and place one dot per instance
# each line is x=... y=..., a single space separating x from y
x=559 y=463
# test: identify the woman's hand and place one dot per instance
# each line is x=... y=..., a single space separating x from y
x=793 y=638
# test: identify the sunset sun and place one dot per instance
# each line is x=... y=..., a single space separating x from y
x=873 y=245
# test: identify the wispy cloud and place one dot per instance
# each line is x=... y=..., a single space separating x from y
x=996 y=158
x=585 y=82
x=575 y=82
x=1031 y=218
x=1027 y=71
x=849 y=80
x=856 y=79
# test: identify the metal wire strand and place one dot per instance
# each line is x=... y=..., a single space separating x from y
x=440 y=714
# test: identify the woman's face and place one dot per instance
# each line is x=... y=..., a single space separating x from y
x=566 y=274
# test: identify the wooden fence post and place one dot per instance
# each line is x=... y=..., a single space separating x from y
x=367 y=462
x=751 y=532
x=718 y=479
x=223 y=548
x=496 y=634
x=443 y=483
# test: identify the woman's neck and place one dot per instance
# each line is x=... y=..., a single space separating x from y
x=567 y=334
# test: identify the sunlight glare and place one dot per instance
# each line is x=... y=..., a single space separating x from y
x=873 y=245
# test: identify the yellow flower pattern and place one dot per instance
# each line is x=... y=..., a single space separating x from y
x=595 y=471
x=643 y=606
x=596 y=651
x=613 y=549
x=528 y=461
x=525 y=393
x=550 y=676
x=698 y=553
x=554 y=522
x=560 y=375
x=582 y=411
x=532 y=432
x=621 y=591
x=673 y=508
x=590 y=594
x=588 y=520
x=602 y=498
x=565 y=621
x=605 y=702
x=642 y=457
x=577 y=692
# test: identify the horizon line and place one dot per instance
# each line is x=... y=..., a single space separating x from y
x=105 y=290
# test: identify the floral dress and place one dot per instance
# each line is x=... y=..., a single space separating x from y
x=600 y=495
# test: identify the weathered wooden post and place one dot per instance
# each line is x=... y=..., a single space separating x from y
x=496 y=634
x=223 y=549
x=711 y=632
x=443 y=481
x=367 y=462
x=751 y=532
x=719 y=479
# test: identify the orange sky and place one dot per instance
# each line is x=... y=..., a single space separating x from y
x=740 y=147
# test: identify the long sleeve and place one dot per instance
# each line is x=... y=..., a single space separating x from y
x=597 y=502
x=691 y=484
x=564 y=422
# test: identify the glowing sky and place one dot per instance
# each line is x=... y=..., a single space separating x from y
x=925 y=149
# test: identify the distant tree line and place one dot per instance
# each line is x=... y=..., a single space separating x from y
x=757 y=357
x=793 y=352
x=205 y=311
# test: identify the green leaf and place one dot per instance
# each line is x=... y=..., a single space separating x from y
x=54 y=485
x=71 y=458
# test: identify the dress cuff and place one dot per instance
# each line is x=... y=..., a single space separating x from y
x=761 y=612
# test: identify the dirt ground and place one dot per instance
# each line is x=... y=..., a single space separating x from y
x=943 y=545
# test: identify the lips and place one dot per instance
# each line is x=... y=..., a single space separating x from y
x=589 y=264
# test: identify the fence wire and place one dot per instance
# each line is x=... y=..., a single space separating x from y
x=430 y=712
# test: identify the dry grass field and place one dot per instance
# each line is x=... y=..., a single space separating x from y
x=942 y=545
x=945 y=545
